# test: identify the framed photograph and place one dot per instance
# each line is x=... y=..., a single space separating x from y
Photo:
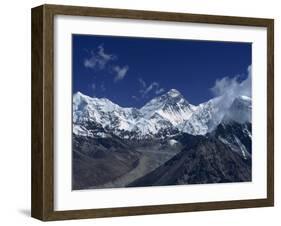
x=141 y=112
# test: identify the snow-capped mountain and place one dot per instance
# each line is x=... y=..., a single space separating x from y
x=102 y=112
x=208 y=115
x=204 y=119
x=167 y=141
x=171 y=106
x=162 y=116
x=240 y=110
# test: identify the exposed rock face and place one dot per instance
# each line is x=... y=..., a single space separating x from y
x=99 y=160
x=207 y=161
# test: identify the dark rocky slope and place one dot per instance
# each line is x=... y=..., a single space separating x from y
x=100 y=160
x=208 y=161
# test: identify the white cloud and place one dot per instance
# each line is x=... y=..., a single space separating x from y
x=153 y=85
x=232 y=88
x=104 y=55
x=98 y=60
x=159 y=91
x=142 y=82
x=120 y=72
x=227 y=89
x=101 y=60
x=146 y=90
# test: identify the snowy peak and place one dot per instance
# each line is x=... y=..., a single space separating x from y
x=79 y=98
x=84 y=100
x=240 y=110
x=173 y=98
x=102 y=104
x=164 y=115
x=242 y=101
x=173 y=93
x=172 y=106
x=207 y=116
x=101 y=112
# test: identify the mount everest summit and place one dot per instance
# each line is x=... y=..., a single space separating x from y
x=168 y=141
x=165 y=115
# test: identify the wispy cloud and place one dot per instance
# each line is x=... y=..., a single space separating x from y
x=142 y=82
x=152 y=88
x=105 y=56
x=231 y=87
x=99 y=59
x=159 y=91
x=102 y=60
x=120 y=72
x=227 y=89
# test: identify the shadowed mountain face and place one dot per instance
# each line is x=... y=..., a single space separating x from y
x=208 y=161
x=99 y=160
x=166 y=142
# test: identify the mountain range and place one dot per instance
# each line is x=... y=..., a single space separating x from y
x=168 y=141
x=165 y=115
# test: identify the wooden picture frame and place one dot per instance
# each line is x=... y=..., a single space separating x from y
x=43 y=107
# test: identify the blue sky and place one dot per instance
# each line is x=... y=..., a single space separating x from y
x=131 y=71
